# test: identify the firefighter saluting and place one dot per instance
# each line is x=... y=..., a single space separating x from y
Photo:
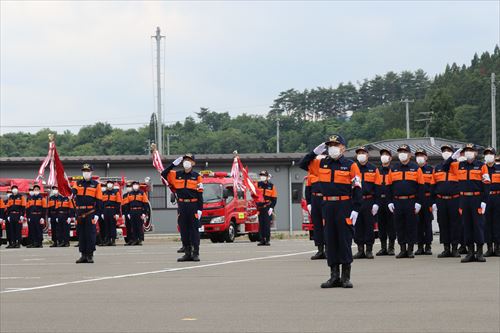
x=189 y=190
x=340 y=182
x=492 y=216
x=266 y=208
x=88 y=198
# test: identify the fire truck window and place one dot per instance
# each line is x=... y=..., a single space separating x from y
x=158 y=197
x=296 y=192
x=230 y=194
x=241 y=195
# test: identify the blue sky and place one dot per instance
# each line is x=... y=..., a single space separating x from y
x=77 y=63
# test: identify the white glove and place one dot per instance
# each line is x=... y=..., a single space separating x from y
x=270 y=211
x=57 y=219
x=96 y=217
x=42 y=221
x=68 y=220
x=102 y=216
x=391 y=207
x=483 y=207
x=178 y=161
x=309 y=208
x=48 y=219
x=128 y=216
x=21 y=219
x=320 y=149
x=199 y=213
x=143 y=216
x=28 y=219
x=8 y=218
x=374 y=209
x=354 y=217
x=417 y=207
x=117 y=217
x=434 y=208
x=456 y=154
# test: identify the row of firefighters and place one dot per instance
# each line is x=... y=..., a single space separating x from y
x=345 y=198
x=59 y=212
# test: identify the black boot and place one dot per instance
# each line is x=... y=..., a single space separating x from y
x=390 y=249
x=29 y=246
x=454 y=251
x=187 y=255
x=82 y=260
x=320 y=254
x=402 y=253
x=420 y=250
x=262 y=242
x=361 y=252
x=334 y=281
x=489 y=250
x=446 y=253
x=369 y=251
x=470 y=254
x=17 y=245
x=112 y=242
x=497 y=250
x=196 y=254
x=428 y=250
x=346 y=276
x=181 y=250
x=90 y=258
x=383 y=249
x=54 y=244
x=479 y=253
x=462 y=249
x=409 y=253
x=9 y=246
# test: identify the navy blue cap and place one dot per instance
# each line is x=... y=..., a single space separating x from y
x=335 y=138
x=362 y=148
x=470 y=146
x=87 y=167
x=404 y=146
x=189 y=155
x=489 y=149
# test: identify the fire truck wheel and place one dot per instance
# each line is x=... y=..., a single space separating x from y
x=254 y=237
x=230 y=233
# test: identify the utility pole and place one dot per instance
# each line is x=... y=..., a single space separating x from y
x=493 y=112
x=168 y=141
x=427 y=120
x=277 y=135
x=407 y=102
x=159 y=120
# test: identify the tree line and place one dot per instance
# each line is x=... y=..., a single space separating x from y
x=454 y=105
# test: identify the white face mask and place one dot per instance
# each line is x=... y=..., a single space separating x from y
x=446 y=154
x=420 y=160
x=8 y=195
x=362 y=158
x=109 y=186
x=31 y=193
x=116 y=187
x=334 y=152
x=469 y=155
x=128 y=189
x=86 y=175
x=55 y=192
x=135 y=187
x=187 y=165
x=36 y=192
x=263 y=178
x=462 y=159
x=385 y=159
x=15 y=191
x=489 y=158
x=403 y=157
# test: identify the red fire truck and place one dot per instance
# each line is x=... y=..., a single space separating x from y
x=227 y=211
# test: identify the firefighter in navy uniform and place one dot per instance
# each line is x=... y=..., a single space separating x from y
x=137 y=202
x=2 y=216
x=474 y=185
x=65 y=212
x=363 y=230
x=447 y=196
x=340 y=181
x=314 y=200
x=36 y=211
x=15 y=210
x=88 y=200
x=386 y=228
x=111 y=200
x=406 y=194
x=266 y=208
x=189 y=190
x=492 y=216
x=52 y=214
x=125 y=211
x=424 y=226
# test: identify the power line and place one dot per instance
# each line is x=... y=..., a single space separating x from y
x=75 y=125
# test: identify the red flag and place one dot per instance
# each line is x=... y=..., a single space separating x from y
x=241 y=178
x=61 y=177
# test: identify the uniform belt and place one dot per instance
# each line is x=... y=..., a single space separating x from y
x=448 y=197
x=336 y=198
x=428 y=194
x=470 y=194
x=494 y=192
x=109 y=206
x=136 y=208
x=85 y=207
x=317 y=194
x=405 y=197
x=36 y=213
x=383 y=196
x=369 y=196
x=187 y=200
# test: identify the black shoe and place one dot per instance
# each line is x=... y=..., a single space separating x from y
x=428 y=250
x=402 y=253
x=383 y=249
x=489 y=250
x=497 y=250
x=181 y=250
x=267 y=244
x=409 y=253
x=360 y=254
x=39 y=245
x=334 y=281
x=470 y=255
x=187 y=256
x=261 y=243
x=479 y=254
x=346 y=276
x=17 y=245
x=369 y=251
x=420 y=250
x=462 y=249
x=29 y=246
x=9 y=246
x=139 y=242
x=54 y=244
x=454 y=251
x=446 y=253
x=90 y=258
x=82 y=260
x=196 y=254
x=66 y=244
x=112 y=242
x=390 y=249
x=320 y=254
x=76 y=245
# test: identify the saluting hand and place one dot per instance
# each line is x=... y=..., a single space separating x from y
x=178 y=161
x=320 y=149
x=456 y=154
x=354 y=217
